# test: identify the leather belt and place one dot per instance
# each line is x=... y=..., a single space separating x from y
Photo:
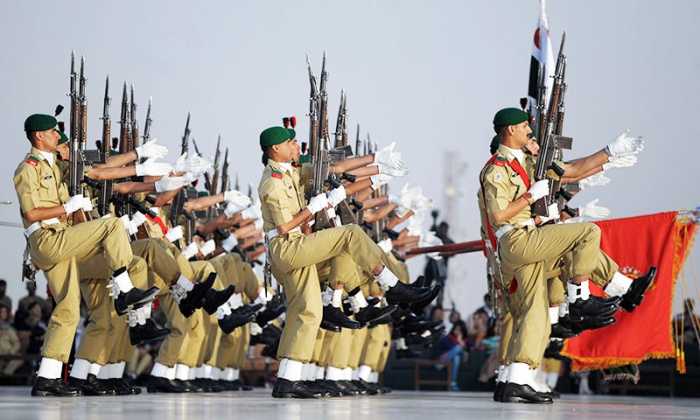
x=38 y=225
x=272 y=234
x=507 y=228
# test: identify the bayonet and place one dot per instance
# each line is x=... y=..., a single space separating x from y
x=149 y=121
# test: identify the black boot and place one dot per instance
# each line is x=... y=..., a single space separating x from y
x=498 y=392
x=235 y=319
x=195 y=297
x=123 y=387
x=513 y=392
x=241 y=386
x=150 y=331
x=419 y=306
x=215 y=298
x=554 y=348
x=344 y=389
x=368 y=387
x=273 y=310
x=90 y=386
x=594 y=306
x=165 y=385
x=559 y=330
x=44 y=387
x=350 y=385
x=292 y=389
x=328 y=326
x=401 y=293
x=134 y=299
x=635 y=294
x=269 y=335
x=412 y=324
x=335 y=316
x=371 y=313
x=592 y=323
x=318 y=387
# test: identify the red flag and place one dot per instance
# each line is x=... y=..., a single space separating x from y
x=637 y=243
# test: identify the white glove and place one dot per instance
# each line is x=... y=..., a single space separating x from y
x=87 y=204
x=170 y=183
x=412 y=198
x=625 y=144
x=337 y=195
x=597 y=180
x=258 y=223
x=151 y=150
x=192 y=163
x=388 y=170
x=190 y=251
x=174 y=234
x=238 y=198
x=386 y=245
x=126 y=223
x=152 y=168
x=138 y=219
x=379 y=180
x=624 y=161
x=207 y=247
x=388 y=159
x=229 y=243
x=552 y=213
x=252 y=212
x=593 y=210
x=540 y=189
x=74 y=204
x=317 y=203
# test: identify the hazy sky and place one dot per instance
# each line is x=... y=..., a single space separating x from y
x=428 y=74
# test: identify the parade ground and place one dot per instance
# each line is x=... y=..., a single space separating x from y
x=16 y=404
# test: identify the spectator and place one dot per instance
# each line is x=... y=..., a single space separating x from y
x=477 y=331
x=9 y=343
x=4 y=299
x=450 y=349
x=31 y=330
x=23 y=304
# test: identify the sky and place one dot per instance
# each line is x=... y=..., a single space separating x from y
x=427 y=74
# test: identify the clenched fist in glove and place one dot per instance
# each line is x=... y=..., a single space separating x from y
x=318 y=203
x=337 y=195
x=151 y=150
x=624 y=161
x=170 y=183
x=597 y=180
x=389 y=161
x=540 y=189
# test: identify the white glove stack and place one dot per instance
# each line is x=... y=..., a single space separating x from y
x=252 y=212
x=128 y=226
x=379 y=180
x=174 y=234
x=412 y=198
x=229 y=243
x=138 y=219
x=624 y=161
x=151 y=150
x=552 y=213
x=386 y=245
x=190 y=250
x=207 y=247
x=152 y=168
x=192 y=163
x=625 y=144
x=236 y=202
x=593 y=210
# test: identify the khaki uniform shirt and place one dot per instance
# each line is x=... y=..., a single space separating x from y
x=281 y=195
x=500 y=185
x=38 y=184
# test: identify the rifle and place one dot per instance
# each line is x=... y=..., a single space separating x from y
x=78 y=128
x=358 y=142
x=106 y=185
x=549 y=141
x=341 y=133
x=449 y=249
x=147 y=124
x=215 y=177
x=125 y=145
x=224 y=174
x=176 y=208
x=134 y=123
x=313 y=112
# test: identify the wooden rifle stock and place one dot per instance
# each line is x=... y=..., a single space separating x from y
x=450 y=249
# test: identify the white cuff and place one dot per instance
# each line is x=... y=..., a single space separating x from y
x=619 y=285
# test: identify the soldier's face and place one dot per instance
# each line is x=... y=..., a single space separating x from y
x=48 y=140
x=521 y=133
x=288 y=151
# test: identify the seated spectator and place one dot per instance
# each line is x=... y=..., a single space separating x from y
x=23 y=304
x=9 y=343
x=477 y=331
x=490 y=314
x=4 y=299
x=31 y=330
x=450 y=349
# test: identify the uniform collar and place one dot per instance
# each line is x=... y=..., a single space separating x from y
x=511 y=154
x=281 y=166
x=41 y=155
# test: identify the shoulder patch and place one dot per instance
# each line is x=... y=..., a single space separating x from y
x=31 y=161
x=276 y=174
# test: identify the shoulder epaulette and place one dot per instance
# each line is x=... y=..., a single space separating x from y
x=276 y=174
x=31 y=160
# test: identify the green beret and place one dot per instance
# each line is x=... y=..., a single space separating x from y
x=39 y=122
x=275 y=135
x=64 y=138
x=509 y=116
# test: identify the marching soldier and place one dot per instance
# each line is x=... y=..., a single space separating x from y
x=526 y=249
x=56 y=248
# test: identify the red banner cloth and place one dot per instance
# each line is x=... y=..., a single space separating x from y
x=637 y=243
